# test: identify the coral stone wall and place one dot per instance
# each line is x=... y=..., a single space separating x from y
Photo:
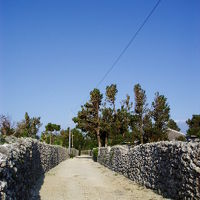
x=23 y=162
x=170 y=168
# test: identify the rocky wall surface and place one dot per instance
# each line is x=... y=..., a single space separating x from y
x=23 y=162
x=74 y=152
x=170 y=168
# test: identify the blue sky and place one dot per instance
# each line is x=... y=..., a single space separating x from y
x=53 y=52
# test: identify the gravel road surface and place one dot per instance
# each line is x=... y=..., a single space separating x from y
x=82 y=179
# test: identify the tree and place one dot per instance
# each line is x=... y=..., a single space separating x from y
x=160 y=115
x=173 y=125
x=78 y=139
x=6 y=128
x=50 y=128
x=45 y=137
x=111 y=92
x=28 y=127
x=65 y=137
x=140 y=109
x=122 y=126
x=90 y=142
x=88 y=119
x=106 y=124
x=122 y=123
x=56 y=128
x=57 y=139
x=194 y=126
x=147 y=127
x=125 y=113
x=127 y=104
x=35 y=126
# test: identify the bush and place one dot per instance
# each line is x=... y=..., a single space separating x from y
x=181 y=138
x=2 y=139
x=95 y=154
x=71 y=155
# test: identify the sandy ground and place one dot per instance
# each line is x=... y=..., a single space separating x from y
x=82 y=179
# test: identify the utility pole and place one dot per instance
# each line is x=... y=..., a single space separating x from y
x=72 y=140
x=69 y=141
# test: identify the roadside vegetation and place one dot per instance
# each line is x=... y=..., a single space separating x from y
x=101 y=123
x=131 y=122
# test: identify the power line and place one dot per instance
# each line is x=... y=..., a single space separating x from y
x=129 y=43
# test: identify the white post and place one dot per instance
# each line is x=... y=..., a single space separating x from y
x=69 y=141
x=72 y=140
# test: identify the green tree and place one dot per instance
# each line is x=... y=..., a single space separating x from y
x=6 y=128
x=125 y=114
x=111 y=92
x=50 y=128
x=45 y=137
x=57 y=138
x=56 y=128
x=88 y=119
x=90 y=142
x=140 y=109
x=147 y=127
x=194 y=126
x=65 y=137
x=27 y=123
x=122 y=123
x=28 y=127
x=122 y=126
x=109 y=115
x=78 y=139
x=106 y=124
x=160 y=115
x=35 y=126
x=173 y=125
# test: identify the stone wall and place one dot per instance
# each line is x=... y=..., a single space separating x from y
x=170 y=168
x=74 y=152
x=23 y=162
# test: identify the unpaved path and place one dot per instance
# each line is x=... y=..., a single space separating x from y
x=82 y=179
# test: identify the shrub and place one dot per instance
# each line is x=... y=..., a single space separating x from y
x=181 y=138
x=2 y=139
x=71 y=155
x=95 y=154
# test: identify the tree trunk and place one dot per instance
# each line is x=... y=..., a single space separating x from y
x=141 y=132
x=50 y=138
x=114 y=108
x=98 y=128
x=141 y=136
x=98 y=138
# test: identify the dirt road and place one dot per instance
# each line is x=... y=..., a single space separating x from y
x=82 y=179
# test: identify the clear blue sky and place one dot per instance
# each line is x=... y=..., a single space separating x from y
x=53 y=52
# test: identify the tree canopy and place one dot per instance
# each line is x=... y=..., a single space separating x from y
x=194 y=126
x=103 y=121
x=173 y=125
x=112 y=125
x=28 y=127
x=6 y=128
x=88 y=119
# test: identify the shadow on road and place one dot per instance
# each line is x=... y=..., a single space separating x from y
x=35 y=192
